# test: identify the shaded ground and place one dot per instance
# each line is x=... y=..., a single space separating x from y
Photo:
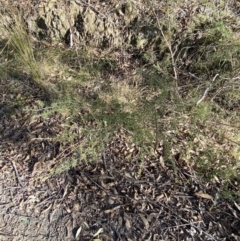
x=122 y=196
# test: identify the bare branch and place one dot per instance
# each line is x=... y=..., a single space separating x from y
x=206 y=91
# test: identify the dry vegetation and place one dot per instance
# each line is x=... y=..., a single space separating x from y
x=145 y=113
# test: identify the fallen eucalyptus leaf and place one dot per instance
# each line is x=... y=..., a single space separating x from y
x=145 y=221
x=127 y=224
x=237 y=206
x=204 y=195
x=78 y=232
x=100 y=230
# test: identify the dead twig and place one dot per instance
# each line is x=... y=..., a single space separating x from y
x=206 y=91
x=16 y=171
x=172 y=55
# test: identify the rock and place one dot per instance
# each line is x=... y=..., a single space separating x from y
x=104 y=24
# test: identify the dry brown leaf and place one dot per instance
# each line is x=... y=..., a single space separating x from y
x=233 y=211
x=204 y=195
x=237 y=206
x=113 y=209
x=162 y=162
x=127 y=224
x=100 y=230
x=145 y=221
x=78 y=231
